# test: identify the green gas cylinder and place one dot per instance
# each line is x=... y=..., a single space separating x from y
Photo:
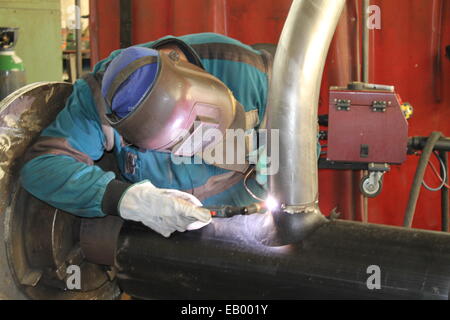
x=12 y=71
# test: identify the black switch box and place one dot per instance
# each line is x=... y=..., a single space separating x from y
x=364 y=151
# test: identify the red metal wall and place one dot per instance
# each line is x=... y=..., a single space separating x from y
x=248 y=21
x=403 y=53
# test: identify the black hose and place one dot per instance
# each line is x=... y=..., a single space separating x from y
x=418 y=178
x=445 y=193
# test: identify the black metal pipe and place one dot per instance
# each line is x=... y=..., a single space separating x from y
x=445 y=192
x=225 y=261
x=418 y=143
x=126 y=20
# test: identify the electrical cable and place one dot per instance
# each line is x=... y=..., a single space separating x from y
x=444 y=170
x=437 y=173
x=248 y=189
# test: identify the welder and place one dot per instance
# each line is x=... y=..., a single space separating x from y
x=145 y=105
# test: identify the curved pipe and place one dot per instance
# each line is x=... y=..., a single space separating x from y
x=292 y=111
x=294 y=99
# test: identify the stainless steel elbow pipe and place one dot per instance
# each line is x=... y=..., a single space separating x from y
x=292 y=110
x=294 y=98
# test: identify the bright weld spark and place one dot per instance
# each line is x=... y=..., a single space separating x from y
x=272 y=204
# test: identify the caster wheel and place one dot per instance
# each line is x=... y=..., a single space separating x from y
x=371 y=186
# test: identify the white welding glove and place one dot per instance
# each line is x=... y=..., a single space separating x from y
x=163 y=210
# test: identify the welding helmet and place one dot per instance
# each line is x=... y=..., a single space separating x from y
x=158 y=102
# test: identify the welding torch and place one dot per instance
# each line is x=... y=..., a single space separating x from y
x=231 y=211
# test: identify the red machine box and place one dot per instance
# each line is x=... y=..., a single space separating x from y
x=366 y=125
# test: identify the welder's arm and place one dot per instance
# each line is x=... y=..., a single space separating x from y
x=87 y=191
x=59 y=168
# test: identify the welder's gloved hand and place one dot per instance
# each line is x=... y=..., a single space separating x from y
x=163 y=210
